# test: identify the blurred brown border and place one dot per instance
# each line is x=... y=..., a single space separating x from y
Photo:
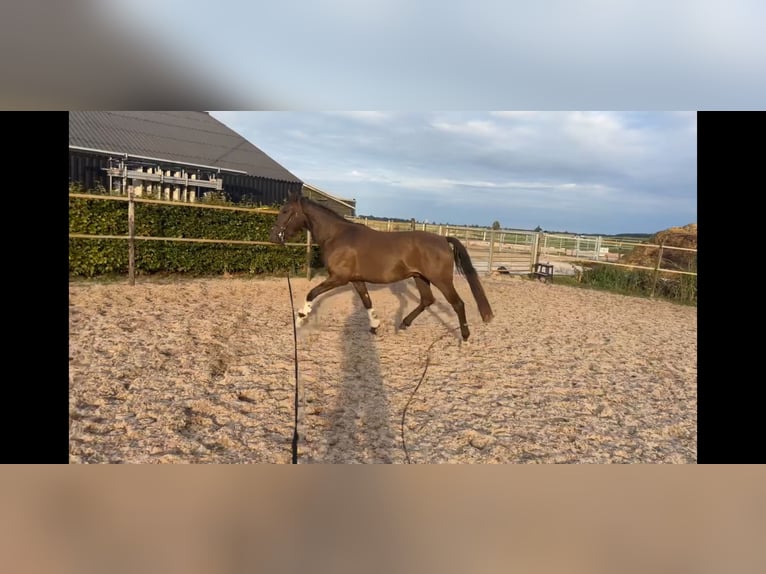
x=357 y=518
x=69 y=56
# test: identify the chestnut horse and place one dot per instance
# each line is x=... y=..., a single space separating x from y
x=354 y=253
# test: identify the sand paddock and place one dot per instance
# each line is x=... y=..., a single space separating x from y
x=201 y=371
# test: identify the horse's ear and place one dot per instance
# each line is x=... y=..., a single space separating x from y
x=294 y=196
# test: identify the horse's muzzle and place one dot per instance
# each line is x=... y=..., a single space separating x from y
x=277 y=236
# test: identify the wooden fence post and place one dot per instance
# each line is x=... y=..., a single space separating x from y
x=535 y=252
x=308 y=255
x=657 y=270
x=131 y=237
x=491 y=249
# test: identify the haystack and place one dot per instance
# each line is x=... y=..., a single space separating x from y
x=685 y=237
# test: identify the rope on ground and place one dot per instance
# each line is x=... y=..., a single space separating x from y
x=415 y=390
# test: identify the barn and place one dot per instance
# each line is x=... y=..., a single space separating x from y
x=340 y=205
x=173 y=155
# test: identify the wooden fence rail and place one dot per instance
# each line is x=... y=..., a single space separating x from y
x=131 y=238
x=517 y=250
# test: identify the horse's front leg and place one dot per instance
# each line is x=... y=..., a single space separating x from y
x=330 y=283
x=361 y=288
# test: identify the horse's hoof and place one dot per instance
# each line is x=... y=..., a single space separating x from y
x=403 y=326
x=374 y=330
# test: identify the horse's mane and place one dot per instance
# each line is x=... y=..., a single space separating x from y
x=326 y=210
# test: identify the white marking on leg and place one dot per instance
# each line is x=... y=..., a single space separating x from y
x=303 y=314
x=374 y=321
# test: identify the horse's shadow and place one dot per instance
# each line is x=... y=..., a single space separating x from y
x=360 y=428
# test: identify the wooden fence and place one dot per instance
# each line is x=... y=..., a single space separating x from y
x=513 y=251
x=516 y=251
x=131 y=237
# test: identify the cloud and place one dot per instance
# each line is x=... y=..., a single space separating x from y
x=610 y=171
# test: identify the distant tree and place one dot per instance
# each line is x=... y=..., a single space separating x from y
x=495 y=225
x=538 y=229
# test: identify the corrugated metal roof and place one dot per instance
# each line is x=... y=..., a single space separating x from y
x=175 y=136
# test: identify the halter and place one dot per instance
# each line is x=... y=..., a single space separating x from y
x=283 y=228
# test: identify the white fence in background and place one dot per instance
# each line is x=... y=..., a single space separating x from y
x=517 y=251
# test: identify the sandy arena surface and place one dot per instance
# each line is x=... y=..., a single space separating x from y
x=201 y=371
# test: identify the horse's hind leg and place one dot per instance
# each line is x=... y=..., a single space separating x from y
x=426 y=299
x=454 y=299
x=361 y=288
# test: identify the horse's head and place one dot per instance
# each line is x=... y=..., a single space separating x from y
x=290 y=220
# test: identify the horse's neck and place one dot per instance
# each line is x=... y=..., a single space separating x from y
x=321 y=224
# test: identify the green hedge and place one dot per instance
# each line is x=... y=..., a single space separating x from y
x=670 y=286
x=94 y=257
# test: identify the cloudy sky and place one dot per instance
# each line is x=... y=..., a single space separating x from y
x=384 y=54
x=435 y=54
x=583 y=172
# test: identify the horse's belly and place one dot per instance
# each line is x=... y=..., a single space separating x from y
x=387 y=272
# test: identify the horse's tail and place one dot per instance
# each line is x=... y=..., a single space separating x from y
x=464 y=266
